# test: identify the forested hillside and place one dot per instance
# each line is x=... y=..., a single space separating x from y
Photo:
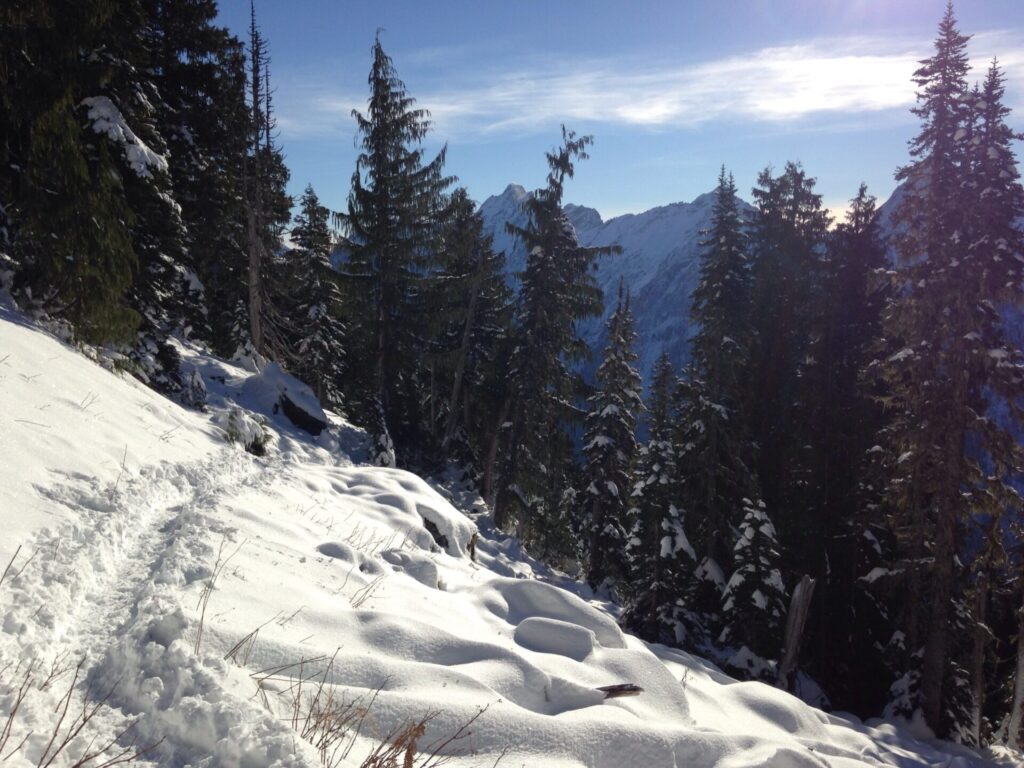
x=787 y=442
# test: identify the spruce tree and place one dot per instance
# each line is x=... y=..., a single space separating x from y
x=754 y=601
x=393 y=224
x=557 y=290
x=317 y=347
x=609 y=445
x=717 y=453
x=835 y=424
x=661 y=562
x=951 y=461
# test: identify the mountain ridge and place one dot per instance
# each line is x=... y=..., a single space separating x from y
x=659 y=264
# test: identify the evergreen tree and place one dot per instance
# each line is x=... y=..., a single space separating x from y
x=393 y=223
x=717 y=454
x=198 y=69
x=317 y=349
x=835 y=424
x=660 y=593
x=754 y=601
x=787 y=244
x=267 y=206
x=951 y=462
x=557 y=290
x=471 y=306
x=66 y=208
x=609 y=444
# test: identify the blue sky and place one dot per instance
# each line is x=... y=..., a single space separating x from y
x=670 y=90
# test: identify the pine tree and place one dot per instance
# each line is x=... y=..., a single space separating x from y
x=557 y=290
x=951 y=461
x=660 y=593
x=318 y=348
x=754 y=601
x=609 y=445
x=393 y=223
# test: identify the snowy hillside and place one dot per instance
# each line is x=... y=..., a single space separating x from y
x=659 y=264
x=173 y=594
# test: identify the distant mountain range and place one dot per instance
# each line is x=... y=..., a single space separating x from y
x=659 y=263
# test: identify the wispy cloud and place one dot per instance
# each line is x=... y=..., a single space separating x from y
x=860 y=75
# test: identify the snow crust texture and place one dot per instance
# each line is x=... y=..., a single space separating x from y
x=194 y=585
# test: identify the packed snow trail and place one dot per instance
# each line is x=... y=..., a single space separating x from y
x=98 y=588
x=134 y=510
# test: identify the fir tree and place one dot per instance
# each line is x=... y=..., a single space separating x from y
x=787 y=244
x=557 y=290
x=267 y=205
x=717 y=444
x=835 y=424
x=754 y=601
x=317 y=348
x=393 y=224
x=660 y=592
x=198 y=69
x=65 y=199
x=951 y=462
x=609 y=444
x=471 y=307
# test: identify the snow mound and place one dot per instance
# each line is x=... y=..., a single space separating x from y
x=554 y=636
x=525 y=599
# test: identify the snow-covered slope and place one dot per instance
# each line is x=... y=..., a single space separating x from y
x=659 y=264
x=214 y=598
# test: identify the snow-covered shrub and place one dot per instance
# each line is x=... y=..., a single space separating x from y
x=245 y=429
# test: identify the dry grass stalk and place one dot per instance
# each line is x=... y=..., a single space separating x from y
x=211 y=583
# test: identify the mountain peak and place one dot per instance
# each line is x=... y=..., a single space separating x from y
x=514 y=192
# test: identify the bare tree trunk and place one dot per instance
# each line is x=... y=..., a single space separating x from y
x=936 y=647
x=255 y=283
x=460 y=368
x=492 y=456
x=981 y=637
x=796 y=620
x=1016 y=724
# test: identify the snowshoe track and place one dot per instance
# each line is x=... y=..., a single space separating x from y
x=105 y=590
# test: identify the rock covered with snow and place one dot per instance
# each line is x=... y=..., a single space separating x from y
x=273 y=389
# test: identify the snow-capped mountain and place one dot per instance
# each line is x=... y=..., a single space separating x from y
x=659 y=264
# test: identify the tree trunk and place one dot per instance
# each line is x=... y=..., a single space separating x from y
x=796 y=620
x=980 y=646
x=933 y=665
x=460 y=368
x=255 y=282
x=1016 y=724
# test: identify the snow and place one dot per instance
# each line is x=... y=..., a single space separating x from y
x=200 y=584
x=107 y=119
x=659 y=264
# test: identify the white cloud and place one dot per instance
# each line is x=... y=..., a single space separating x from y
x=857 y=76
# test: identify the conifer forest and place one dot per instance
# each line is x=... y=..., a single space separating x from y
x=821 y=491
